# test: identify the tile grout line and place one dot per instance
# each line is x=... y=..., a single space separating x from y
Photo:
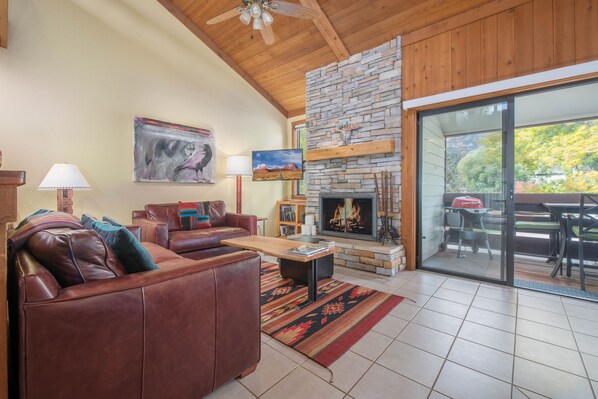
x=515 y=345
x=452 y=344
x=374 y=362
x=583 y=362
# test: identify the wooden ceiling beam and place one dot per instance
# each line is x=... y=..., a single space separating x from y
x=296 y=112
x=4 y=23
x=201 y=35
x=327 y=30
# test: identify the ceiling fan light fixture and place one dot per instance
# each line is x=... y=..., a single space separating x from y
x=267 y=18
x=255 y=10
x=245 y=17
x=257 y=23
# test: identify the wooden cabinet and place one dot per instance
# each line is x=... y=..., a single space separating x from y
x=290 y=216
x=8 y=213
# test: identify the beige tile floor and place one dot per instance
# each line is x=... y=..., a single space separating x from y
x=455 y=338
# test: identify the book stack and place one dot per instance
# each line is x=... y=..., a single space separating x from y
x=306 y=250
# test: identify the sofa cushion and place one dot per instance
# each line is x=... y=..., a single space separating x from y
x=134 y=257
x=165 y=213
x=217 y=213
x=75 y=256
x=193 y=240
x=159 y=253
x=194 y=215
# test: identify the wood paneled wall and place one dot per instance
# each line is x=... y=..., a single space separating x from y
x=501 y=40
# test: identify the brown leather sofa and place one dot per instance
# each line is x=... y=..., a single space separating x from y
x=161 y=224
x=179 y=331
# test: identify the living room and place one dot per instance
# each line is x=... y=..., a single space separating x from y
x=74 y=74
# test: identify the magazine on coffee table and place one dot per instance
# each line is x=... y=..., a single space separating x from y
x=306 y=250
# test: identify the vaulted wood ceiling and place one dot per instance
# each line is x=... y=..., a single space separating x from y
x=278 y=71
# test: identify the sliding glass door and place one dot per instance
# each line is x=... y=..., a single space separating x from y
x=466 y=190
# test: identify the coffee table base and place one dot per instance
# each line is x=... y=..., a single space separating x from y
x=312 y=280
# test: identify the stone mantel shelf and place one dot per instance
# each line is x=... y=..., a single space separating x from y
x=353 y=150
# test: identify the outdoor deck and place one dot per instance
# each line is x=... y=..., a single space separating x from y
x=527 y=269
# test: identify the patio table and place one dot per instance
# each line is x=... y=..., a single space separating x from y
x=559 y=210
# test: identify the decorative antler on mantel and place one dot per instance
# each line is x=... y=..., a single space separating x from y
x=345 y=129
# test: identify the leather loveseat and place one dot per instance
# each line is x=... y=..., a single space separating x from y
x=161 y=224
x=179 y=331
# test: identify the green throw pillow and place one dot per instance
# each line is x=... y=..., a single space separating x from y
x=134 y=257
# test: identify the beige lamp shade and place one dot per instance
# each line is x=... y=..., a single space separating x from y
x=238 y=165
x=64 y=176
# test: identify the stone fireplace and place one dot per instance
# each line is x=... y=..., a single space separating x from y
x=363 y=91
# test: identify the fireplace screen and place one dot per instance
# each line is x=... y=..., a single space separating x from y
x=347 y=215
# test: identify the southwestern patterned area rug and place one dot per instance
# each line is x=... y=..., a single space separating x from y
x=326 y=329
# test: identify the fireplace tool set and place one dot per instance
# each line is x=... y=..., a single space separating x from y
x=385 y=208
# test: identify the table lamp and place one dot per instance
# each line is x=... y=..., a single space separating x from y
x=64 y=178
x=238 y=166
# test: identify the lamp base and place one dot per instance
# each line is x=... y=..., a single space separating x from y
x=239 y=194
x=65 y=200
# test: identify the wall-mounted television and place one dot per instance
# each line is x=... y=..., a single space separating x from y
x=277 y=165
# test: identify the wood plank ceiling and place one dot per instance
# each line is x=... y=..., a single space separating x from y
x=345 y=27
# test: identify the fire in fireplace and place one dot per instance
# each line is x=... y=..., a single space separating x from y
x=351 y=215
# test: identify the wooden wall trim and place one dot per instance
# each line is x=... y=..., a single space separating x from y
x=201 y=35
x=4 y=23
x=409 y=187
x=327 y=30
x=468 y=17
x=508 y=86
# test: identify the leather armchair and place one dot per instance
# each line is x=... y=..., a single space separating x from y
x=177 y=332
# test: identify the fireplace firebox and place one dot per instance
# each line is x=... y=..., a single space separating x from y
x=349 y=215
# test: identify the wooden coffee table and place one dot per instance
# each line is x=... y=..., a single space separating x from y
x=277 y=247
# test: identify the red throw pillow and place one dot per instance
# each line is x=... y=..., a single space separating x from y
x=194 y=215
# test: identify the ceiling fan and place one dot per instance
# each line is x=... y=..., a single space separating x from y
x=261 y=12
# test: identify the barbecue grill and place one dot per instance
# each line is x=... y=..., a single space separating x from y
x=464 y=219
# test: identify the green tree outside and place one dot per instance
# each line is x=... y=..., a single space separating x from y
x=556 y=158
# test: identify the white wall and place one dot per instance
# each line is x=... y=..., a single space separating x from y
x=76 y=73
x=433 y=184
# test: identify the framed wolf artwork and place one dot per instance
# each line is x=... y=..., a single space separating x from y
x=172 y=153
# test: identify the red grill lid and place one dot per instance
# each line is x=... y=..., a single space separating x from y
x=467 y=202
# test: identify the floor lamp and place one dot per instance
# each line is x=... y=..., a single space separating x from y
x=239 y=166
x=64 y=178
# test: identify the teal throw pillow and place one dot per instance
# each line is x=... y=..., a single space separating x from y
x=87 y=221
x=134 y=257
x=112 y=221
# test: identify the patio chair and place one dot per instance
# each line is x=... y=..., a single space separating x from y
x=546 y=227
x=586 y=230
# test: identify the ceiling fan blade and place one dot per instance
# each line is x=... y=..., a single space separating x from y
x=293 y=10
x=267 y=34
x=224 y=16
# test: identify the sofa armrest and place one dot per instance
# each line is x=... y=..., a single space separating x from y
x=156 y=232
x=136 y=230
x=247 y=222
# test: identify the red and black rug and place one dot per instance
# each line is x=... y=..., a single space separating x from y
x=326 y=329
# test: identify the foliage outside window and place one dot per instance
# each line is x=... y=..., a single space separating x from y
x=558 y=158
x=300 y=141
